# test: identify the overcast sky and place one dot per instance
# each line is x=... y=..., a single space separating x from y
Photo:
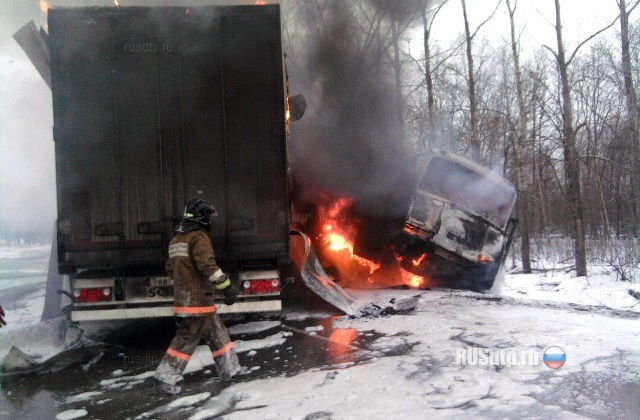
x=27 y=171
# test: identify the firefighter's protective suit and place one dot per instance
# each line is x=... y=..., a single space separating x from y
x=195 y=273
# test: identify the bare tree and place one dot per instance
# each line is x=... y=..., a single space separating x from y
x=572 y=164
x=522 y=175
x=428 y=17
x=471 y=81
x=632 y=108
x=401 y=16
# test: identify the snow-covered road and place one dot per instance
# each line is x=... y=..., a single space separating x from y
x=600 y=378
x=378 y=365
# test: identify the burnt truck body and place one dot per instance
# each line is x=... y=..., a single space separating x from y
x=153 y=107
x=460 y=216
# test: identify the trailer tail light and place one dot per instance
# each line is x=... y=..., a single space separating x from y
x=260 y=286
x=93 y=294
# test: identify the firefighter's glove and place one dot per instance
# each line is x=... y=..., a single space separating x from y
x=229 y=288
x=231 y=293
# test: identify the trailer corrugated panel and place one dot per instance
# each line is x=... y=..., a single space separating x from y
x=154 y=106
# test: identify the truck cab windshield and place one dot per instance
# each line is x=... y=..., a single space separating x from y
x=468 y=188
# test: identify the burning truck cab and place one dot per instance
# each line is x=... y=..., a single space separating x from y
x=460 y=213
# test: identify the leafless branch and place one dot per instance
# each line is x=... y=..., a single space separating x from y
x=595 y=34
x=486 y=20
x=551 y=50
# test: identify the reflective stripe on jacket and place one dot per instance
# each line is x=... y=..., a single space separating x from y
x=193 y=268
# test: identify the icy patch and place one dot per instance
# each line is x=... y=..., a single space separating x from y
x=270 y=341
x=188 y=401
x=85 y=396
x=118 y=372
x=72 y=414
x=253 y=327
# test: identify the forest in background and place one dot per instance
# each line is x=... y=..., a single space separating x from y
x=559 y=120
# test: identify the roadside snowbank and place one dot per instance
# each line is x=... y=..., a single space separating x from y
x=600 y=288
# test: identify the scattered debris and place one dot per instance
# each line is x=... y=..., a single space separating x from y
x=395 y=306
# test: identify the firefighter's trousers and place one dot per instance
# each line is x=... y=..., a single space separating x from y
x=190 y=331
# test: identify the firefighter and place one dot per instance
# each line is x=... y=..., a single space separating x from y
x=195 y=273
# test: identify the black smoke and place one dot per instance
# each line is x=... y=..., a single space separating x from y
x=350 y=142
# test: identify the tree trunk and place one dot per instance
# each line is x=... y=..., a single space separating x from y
x=473 y=105
x=632 y=110
x=572 y=166
x=397 y=70
x=427 y=70
x=522 y=174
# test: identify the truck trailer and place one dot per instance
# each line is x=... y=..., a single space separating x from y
x=154 y=106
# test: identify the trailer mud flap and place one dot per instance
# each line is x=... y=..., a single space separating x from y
x=55 y=281
x=314 y=276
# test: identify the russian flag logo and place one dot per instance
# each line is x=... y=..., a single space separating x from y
x=554 y=357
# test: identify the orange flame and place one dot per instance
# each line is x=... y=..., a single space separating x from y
x=117 y=3
x=412 y=280
x=417 y=261
x=44 y=7
x=260 y=2
x=337 y=238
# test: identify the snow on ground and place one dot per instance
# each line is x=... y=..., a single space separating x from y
x=40 y=341
x=125 y=382
x=85 y=396
x=600 y=288
x=200 y=358
x=72 y=414
x=24 y=267
x=414 y=370
x=177 y=403
x=271 y=341
x=21 y=252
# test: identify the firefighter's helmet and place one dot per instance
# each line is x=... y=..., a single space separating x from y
x=199 y=211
